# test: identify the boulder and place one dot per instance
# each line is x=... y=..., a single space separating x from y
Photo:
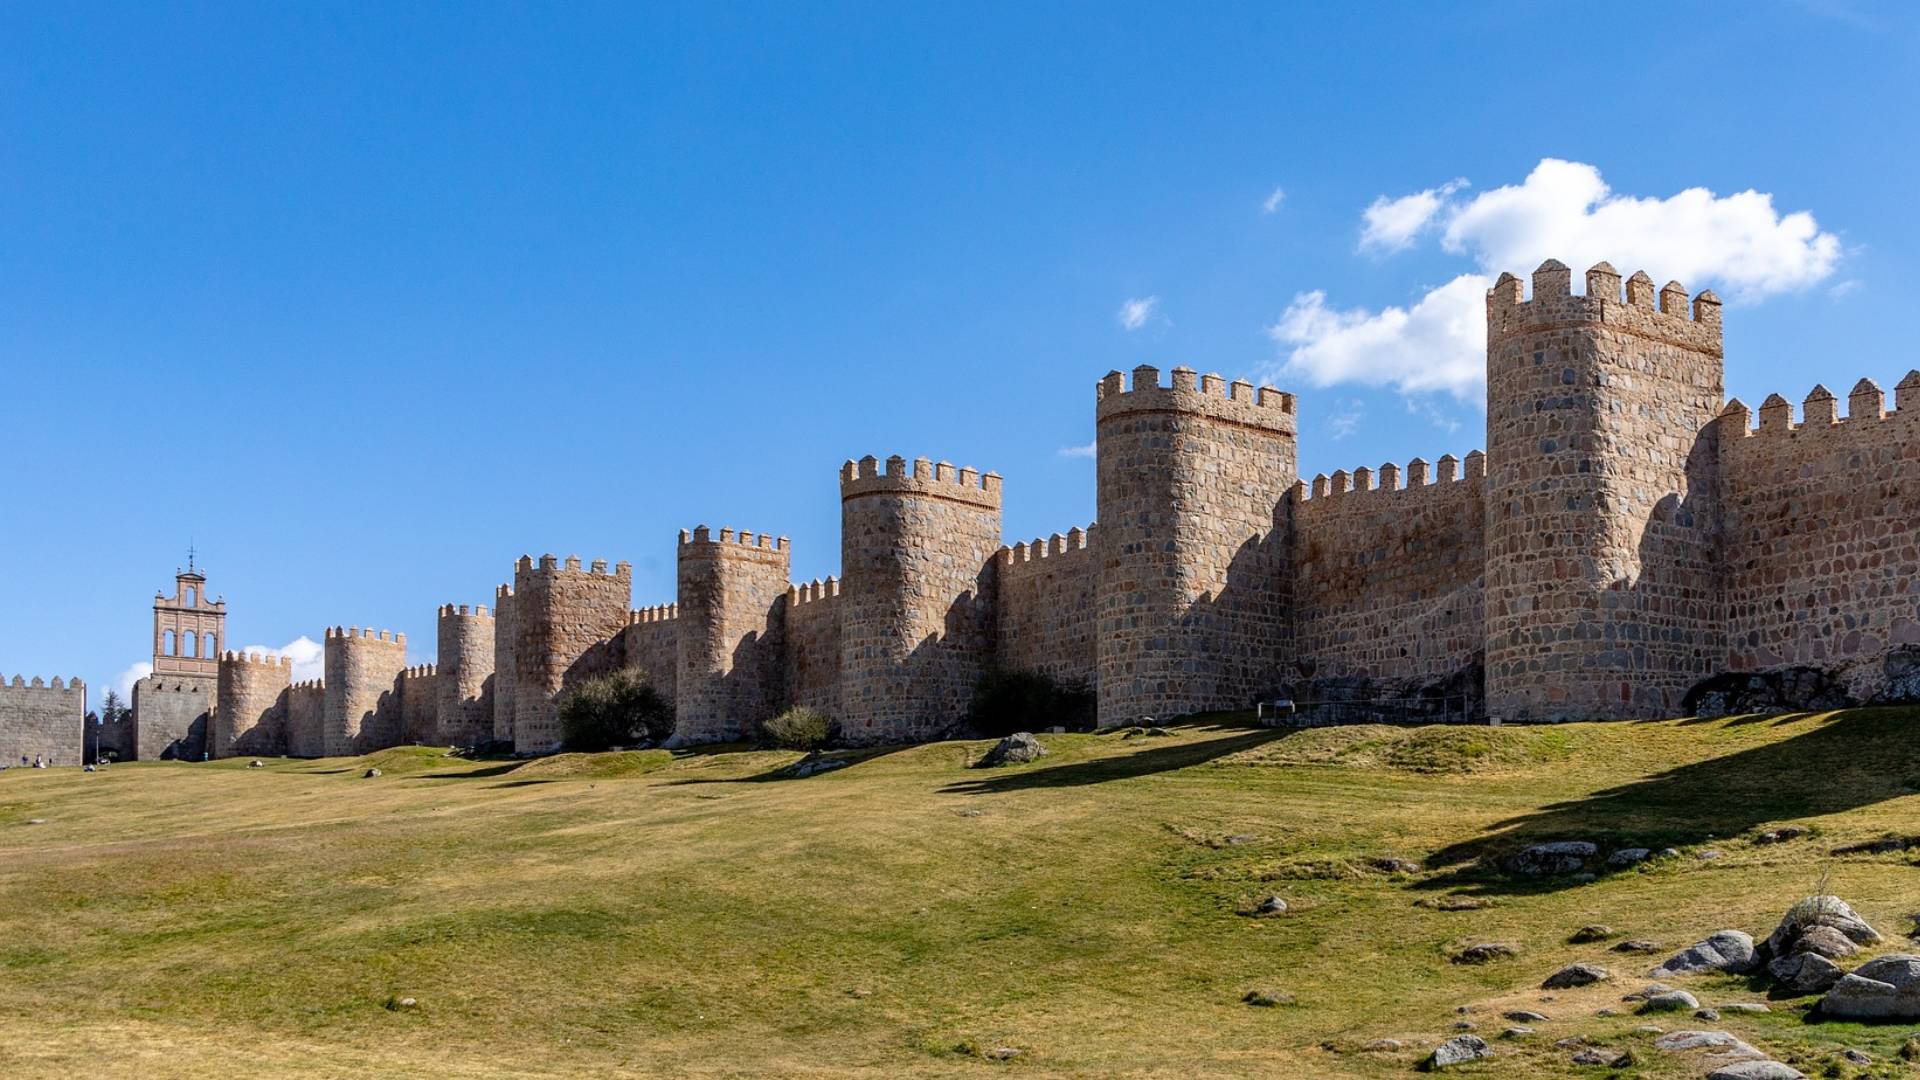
x=1884 y=989
x=1576 y=975
x=1628 y=856
x=1824 y=941
x=1272 y=905
x=1518 y=1031
x=1828 y=911
x=1383 y=1046
x=1016 y=749
x=1637 y=945
x=1558 y=857
x=1722 y=1047
x=1486 y=953
x=1525 y=1016
x=1728 y=951
x=1756 y=1070
x=1458 y=1051
x=1586 y=935
x=1805 y=973
x=371 y=773
x=1670 y=1001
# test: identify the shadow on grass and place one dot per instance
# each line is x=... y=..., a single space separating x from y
x=498 y=769
x=851 y=757
x=1844 y=761
x=1146 y=761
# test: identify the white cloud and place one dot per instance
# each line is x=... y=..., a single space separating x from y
x=1437 y=344
x=1737 y=244
x=308 y=656
x=1134 y=313
x=1843 y=288
x=123 y=682
x=1392 y=224
x=1273 y=201
x=1346 y=419
x=1086 y=451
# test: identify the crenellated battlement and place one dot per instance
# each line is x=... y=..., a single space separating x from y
x=700 y=542
x=21 y=682
x=1073 y=541
x=313 y=685
x=464 y=611
x=656 y=613
x=1210 y=395
x=420 y=671
x=551 y=565
x=813 y=592
x=256 y=659
x=356 y=634
x=1365 y=481
x=1666 y=314
x=1866 y=404
x=937 y=479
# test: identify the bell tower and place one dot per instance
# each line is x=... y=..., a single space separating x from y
x=189 y=629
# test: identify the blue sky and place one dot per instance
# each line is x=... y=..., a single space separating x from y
x=367 y=301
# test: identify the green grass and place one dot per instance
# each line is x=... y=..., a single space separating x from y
x=693 y=914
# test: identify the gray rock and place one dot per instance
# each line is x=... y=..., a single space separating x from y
x=36 y=821
x=1720 y=1043
x=1486 y=953
x=1593 y=1057
x=1576 y=975
x=1558 y=857
x=1465 y=1025
x=1649 y=1029
x=1805 y=973
x=1728 y=951
x=1383 y=1046
x=1002 y=1053
x=1706 y=1014
x=1828 y=911
x=1589 y=934
x=1858 y=1057
x=1271 y=905
x=1584 y=877
x=1824 y=941
x=1390 y=865
x=1667 y=853
x=256 y=764
x=1458 y=1051
x=1628 y=856
x=1637 y=945
x=1756 y=1070
x=1267 y=999
x=1526 y=1016
x=1887 y=988
x=1642 y=995
x=370 y=774
x=1518 y=1031
x=1710 y=854
x=1781 y=835
x=1745 y=1007
x=813 y=765
x=1016 y=749
x=1671 y=1001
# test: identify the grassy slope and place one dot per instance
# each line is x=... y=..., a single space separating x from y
x=688 y=915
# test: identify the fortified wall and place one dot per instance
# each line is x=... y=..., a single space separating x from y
x=41 y=721
x=1627 y=537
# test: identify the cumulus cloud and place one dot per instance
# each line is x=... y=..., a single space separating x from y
x=1436 y=344
x=1086 y=451
x=123 y=682
x=1134 y=313
x=1273 y=201
x=308 y=656
x=1391 y=224
x=1738 y=244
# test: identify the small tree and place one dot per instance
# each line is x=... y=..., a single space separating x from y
x=112 y=709
x=613 y=710
x=799 y=728
x=1007 y=700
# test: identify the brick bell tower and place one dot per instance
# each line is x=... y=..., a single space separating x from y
x=188 y=628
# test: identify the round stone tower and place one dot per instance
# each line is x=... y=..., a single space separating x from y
x=249 y=714
x=1602 y=598
x=729 y=674
x=915 y=549
x=464 y=713
x=359 y=712
x=1192 y=595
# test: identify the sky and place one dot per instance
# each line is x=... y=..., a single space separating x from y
x=364 y=301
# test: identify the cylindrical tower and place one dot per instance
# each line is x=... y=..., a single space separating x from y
x=359 y=711
x=1602 y=587
x=915 y=549
x=464 y=715
x=249 y=715
x=729 y=670
x=1192 y=598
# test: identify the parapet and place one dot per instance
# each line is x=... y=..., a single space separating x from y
x=939 y=480
x=699 y=543
x=1073 y=540
x=1208 y=395
x=256 y=659
x=550 y=564
x=420 y=671
x=810 y=592
x=1362 y=481
x=464 y=611
x=1694 y=325
x=1866 y=403
x=368 y=635
x=20 y=682
x=658 y=613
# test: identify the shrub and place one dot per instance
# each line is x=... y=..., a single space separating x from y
x=1006 y=701
x=799 y=728
x=613 y=710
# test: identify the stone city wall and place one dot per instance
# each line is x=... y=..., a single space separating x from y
x=171 y=715
x=1045 y=607
x=1389 y=581
x=42 y=721
x=506 y=693
x=362 y=710
x=306 y=719
x=418 y=688
x=249 y=716
x=813 y=646
x=732 y=623
x=564 y=623
x=650 y=645
x=1822 y=532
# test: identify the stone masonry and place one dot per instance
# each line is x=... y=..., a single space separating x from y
x=41 y=721
x=1626 y=536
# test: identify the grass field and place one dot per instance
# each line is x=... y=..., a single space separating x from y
x=649 y=913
